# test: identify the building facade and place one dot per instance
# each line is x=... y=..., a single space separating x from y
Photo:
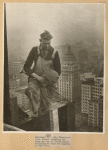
x=91 y=103
x=93 y=113
x=101 y=113
x=97 y=88
x=86 y=95
x=69 y=81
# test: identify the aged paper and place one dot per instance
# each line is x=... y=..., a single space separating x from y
x=22 y=35
x=53 y=140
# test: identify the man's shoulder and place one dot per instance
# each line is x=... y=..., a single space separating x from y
x=34 y=49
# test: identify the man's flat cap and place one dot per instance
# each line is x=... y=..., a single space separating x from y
x=46 y=35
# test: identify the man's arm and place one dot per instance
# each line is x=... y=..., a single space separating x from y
x=56 y=63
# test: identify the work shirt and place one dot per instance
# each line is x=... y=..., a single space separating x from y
x=33 y=57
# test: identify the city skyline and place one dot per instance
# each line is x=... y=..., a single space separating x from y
x=74 y=87
x=78 y=36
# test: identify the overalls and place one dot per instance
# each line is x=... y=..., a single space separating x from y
x=41 y=96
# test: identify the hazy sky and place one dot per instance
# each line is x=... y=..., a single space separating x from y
x=66 y=22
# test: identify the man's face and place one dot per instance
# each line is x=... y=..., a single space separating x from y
x=45 y=44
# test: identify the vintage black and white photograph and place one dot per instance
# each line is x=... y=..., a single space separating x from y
x=54 y=67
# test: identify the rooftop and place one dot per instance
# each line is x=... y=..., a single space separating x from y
x=69 y=56
x=89 y=82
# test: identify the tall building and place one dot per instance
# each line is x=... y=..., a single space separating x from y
x=101 y=113
x=95 y=116
x=91 y=102
x=86 y=95
x=93 y=113
x=97 y=88
x=69 y=81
